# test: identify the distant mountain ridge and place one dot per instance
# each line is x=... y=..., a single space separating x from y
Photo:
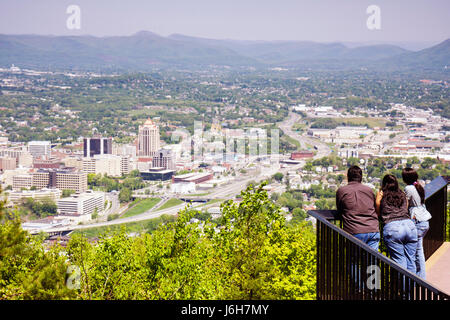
x=146 y=50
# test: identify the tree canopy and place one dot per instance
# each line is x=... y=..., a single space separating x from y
x=251 y=253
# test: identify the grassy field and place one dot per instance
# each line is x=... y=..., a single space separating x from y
x=141 y=207
x=212 y=201
x=299 y=126
x=291 y=140
x=370 y=122
x=170 y=203
x=199 y=194
x=130 y=227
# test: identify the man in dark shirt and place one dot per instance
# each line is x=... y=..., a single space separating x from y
x=355 y=203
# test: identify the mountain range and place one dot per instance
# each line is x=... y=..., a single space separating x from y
x=145 y=51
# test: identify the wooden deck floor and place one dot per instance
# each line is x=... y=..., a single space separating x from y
x=438 y=268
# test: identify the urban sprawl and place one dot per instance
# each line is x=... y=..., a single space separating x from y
x=96 y=179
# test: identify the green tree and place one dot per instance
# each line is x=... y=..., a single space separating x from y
x=298 y=214
x=67 y=193
x=27 y=271
x=261 y=259
x=278 y=176
x=254 y=254
x=125 y=195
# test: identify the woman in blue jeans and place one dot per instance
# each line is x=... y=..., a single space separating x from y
x=416 y=197
x=399 y=231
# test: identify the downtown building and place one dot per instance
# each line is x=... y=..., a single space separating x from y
x=46 y=163
x=40 y=149
x=23 y=157
x=111 y=165
x=7 y=163
x=148 y=139
x=96 y=145
x=22 y=181
x=82 y=204
x=163 y=159
x=16 y=196
x=64 y=179
x=301 y=155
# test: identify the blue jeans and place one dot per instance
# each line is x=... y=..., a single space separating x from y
x=422 y=229
x=372 y=239
x=400 y=238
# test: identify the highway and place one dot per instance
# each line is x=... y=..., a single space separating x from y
x=323 y=149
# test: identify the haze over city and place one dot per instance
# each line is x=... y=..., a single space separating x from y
x=416 y=21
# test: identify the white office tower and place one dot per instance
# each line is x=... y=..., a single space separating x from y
x=82 y=204
x=40 y=148
x=148 y=139
x=111 y=165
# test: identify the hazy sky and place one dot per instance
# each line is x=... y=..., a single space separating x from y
x=317 y=20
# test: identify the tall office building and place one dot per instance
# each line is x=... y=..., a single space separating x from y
x=82 y=204
x=40 y=148
x=64 y=178
x=23 y=157
x=7 y=163
x=148 y=139
x=96 y=145
x=164 y=159
x=108 y=164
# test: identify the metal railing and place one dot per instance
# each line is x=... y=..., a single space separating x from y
x=436 y=203
x=348 y=269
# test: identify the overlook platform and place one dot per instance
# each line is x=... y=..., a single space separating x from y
x=438 y=268
x=348 y=269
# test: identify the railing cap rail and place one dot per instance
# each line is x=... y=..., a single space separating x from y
x=436 y=185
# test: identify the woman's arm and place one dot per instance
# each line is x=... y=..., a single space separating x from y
x=378 y=202
x=408 y=196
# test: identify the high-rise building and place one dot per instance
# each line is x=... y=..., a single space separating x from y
x=66 y=178
x=108 y=164
x=81 y=204
x=40 y=148
x=163 y=159
x=125 y=165
x=96 y=145
x=126 y=150
x=23 y=157
x=148 y=139
x=7 y=163
x=22 y=181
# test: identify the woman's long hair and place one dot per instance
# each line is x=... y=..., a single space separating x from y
x=410 y=177
x=392 y=195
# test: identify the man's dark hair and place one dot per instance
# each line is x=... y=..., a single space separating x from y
x=354 y=173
